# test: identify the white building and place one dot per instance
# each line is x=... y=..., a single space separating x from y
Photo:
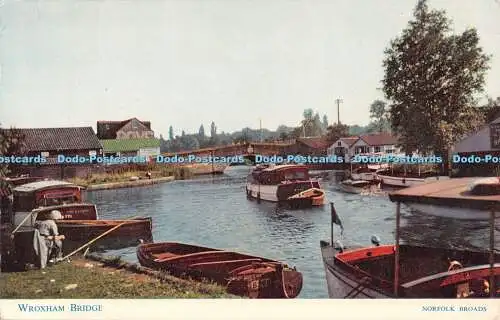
x=348 y=147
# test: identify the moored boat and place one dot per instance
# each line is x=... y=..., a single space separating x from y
x=409 y=271
x=358 y=186
x=129 y=234
x=440 y=198
x=284 y=184
x=402 y=180
x=309 y=197
x=242 y=274
x=30 y=197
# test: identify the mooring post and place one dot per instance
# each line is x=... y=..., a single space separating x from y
x=396 y=252
x=492 y=254
x=331 y=223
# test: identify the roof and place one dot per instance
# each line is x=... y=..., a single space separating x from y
x=477 y=142
x=107 y=129
x=124 y=145
x=59 y=139
x=39 y=185
x=314 y=142
x=379 y=139
x=349 y=140
x=450 y=192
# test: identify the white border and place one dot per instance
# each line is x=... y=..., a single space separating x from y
x=251 y=309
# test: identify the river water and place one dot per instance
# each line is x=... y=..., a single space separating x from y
x=214 y=212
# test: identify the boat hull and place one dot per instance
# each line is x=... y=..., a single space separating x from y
x=424 y=272
x=284 y=193
x=407 y=182
x=130 y=234
x=242 y=274
x=73 y=211
x=452 y=212
x=367 y=176
x=341 y=284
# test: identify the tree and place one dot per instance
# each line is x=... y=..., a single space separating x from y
x=379 y=114
x=311 y=123
x=201 y=132
x=171 y=133
x=491 y=110
x=213 y=130
x=431 y=79
x=183 y=133
x=336 y=131
x=325 y=122
x=11 y=143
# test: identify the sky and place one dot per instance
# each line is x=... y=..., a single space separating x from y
x=185 y=63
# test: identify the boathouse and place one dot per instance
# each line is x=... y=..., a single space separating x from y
x=49 y=143
x=485 y=141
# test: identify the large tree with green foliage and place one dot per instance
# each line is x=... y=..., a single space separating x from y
x=432 y=79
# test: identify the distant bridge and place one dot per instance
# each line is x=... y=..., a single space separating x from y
x=247 y=150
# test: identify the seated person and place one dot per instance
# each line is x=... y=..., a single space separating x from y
x=48 y=230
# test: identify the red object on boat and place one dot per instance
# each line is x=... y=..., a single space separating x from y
x=242 y=274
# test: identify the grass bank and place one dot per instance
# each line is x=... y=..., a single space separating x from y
x=158 y=171
x=90 y=279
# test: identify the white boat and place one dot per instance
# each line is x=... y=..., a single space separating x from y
x=395 y=181
x=358 y=186
x=365 y=174
x=284 y=183
x=424 y=198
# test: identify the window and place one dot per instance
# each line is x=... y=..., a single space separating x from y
x=339 y=143
x=390 y=151
x=339 y=151
x=376 y=149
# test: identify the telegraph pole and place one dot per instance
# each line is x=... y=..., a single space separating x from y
x=338 y=101
x=260 y=120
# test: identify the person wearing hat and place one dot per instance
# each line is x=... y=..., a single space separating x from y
x=48 y=230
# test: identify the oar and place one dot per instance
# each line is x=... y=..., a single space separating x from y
x=100 y=236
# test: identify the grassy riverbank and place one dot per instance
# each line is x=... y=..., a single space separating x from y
x=88 y=279
x=157 y=172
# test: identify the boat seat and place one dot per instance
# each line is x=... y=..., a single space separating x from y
x=224 y=262
x=170 y=256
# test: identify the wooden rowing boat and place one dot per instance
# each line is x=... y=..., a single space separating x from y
x=242 y=274
x=130 y=234
x=315 y=196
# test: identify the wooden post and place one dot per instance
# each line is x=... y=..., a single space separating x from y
x=492 y=254
x=396 y=252
x=331 y=222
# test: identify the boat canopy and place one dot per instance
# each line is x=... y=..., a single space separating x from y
x=41 y=185
x=457 y=192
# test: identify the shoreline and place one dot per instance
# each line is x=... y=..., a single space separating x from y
x=102 y=277
x=128 y=184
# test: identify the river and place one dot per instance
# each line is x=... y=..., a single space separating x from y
x=214 y=212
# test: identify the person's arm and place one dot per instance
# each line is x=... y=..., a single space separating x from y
x=55 y=232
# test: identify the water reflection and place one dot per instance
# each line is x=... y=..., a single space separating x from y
x=215 y=212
